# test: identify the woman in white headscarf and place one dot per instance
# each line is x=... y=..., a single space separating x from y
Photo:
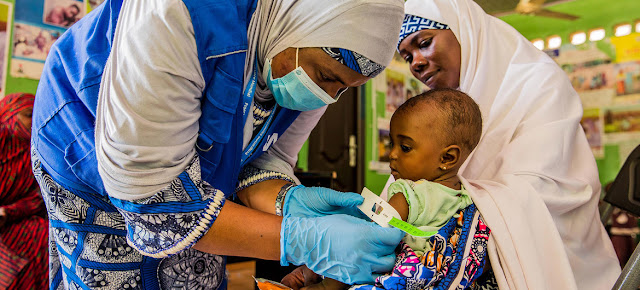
x=148 y=111
x=532 y=176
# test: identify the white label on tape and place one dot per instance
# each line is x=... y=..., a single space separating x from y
x=377 y=209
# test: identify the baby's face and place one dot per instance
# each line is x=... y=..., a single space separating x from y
x=416 y=149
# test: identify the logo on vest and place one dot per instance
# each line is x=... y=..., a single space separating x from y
x=272 y=139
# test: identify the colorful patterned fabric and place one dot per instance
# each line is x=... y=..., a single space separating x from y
x=355 y=61
x=10 y=106
x=457 y=258
x=92 y=241
x=414 y=23
x=252 y=175
x=23 y=237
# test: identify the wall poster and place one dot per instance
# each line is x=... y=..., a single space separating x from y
x=390 y=89
x=6 y=11
x=38 y=24
x=593 y=128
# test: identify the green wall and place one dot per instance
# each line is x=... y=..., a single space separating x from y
x=372 y=180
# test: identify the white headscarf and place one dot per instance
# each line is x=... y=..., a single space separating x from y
x=368 y=27
x=532 y=176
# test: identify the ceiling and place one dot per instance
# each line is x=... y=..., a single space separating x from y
x=503 y=7
x=592 y=13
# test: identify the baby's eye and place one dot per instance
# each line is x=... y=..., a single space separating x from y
x=405 y=148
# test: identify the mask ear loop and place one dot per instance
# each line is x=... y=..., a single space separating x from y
x=297 y=49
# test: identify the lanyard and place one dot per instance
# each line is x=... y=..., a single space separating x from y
x=247 y=98
x=258 y=138
x=249 y=90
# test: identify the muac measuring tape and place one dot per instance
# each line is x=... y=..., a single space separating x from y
x=386 y=216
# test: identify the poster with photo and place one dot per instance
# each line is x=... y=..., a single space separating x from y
x=63 y=13
x=627 y=47
x=381 y=147
x=598 y=98
x=6 y=10
x=627 y=78
x=31 y=44
x=384 y=145
x=593 y=129
x=621 y=119
x=583 y=54
x=38 y=24
x=396 y=94
x=414 y=87
x=53 y=13
x=21 y=68
x=588 y=78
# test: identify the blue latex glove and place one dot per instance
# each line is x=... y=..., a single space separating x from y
x=304 y=201
x=341 y=247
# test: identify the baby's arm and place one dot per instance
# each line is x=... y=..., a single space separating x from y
x=399 y=202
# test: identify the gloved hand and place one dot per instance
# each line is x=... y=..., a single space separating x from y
x=304 y=201
x=341 y=247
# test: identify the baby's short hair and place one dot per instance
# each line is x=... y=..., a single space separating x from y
x=462 y=116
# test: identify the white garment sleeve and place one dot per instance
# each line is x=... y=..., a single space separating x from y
x=283 y=155
x=149 y=101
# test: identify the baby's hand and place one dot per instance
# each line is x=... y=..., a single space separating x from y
x=301 y=277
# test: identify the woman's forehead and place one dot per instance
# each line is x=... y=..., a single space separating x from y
x=328 y=64
x=418 y=35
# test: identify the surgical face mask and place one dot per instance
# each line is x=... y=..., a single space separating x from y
x=296 y=90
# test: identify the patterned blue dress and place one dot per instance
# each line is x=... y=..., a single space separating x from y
x=88 y=244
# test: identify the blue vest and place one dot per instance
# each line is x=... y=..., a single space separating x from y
x=67 y=95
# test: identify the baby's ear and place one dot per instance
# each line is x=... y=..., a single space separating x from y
x=450 y=156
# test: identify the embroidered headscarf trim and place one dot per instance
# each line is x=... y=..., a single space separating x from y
x=414 y=23
x=355 y=61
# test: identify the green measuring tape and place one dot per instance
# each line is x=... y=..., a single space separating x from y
x=409 y=229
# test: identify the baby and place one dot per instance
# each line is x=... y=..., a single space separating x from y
x=432 y=134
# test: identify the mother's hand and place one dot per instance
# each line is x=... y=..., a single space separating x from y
x=301 y=277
